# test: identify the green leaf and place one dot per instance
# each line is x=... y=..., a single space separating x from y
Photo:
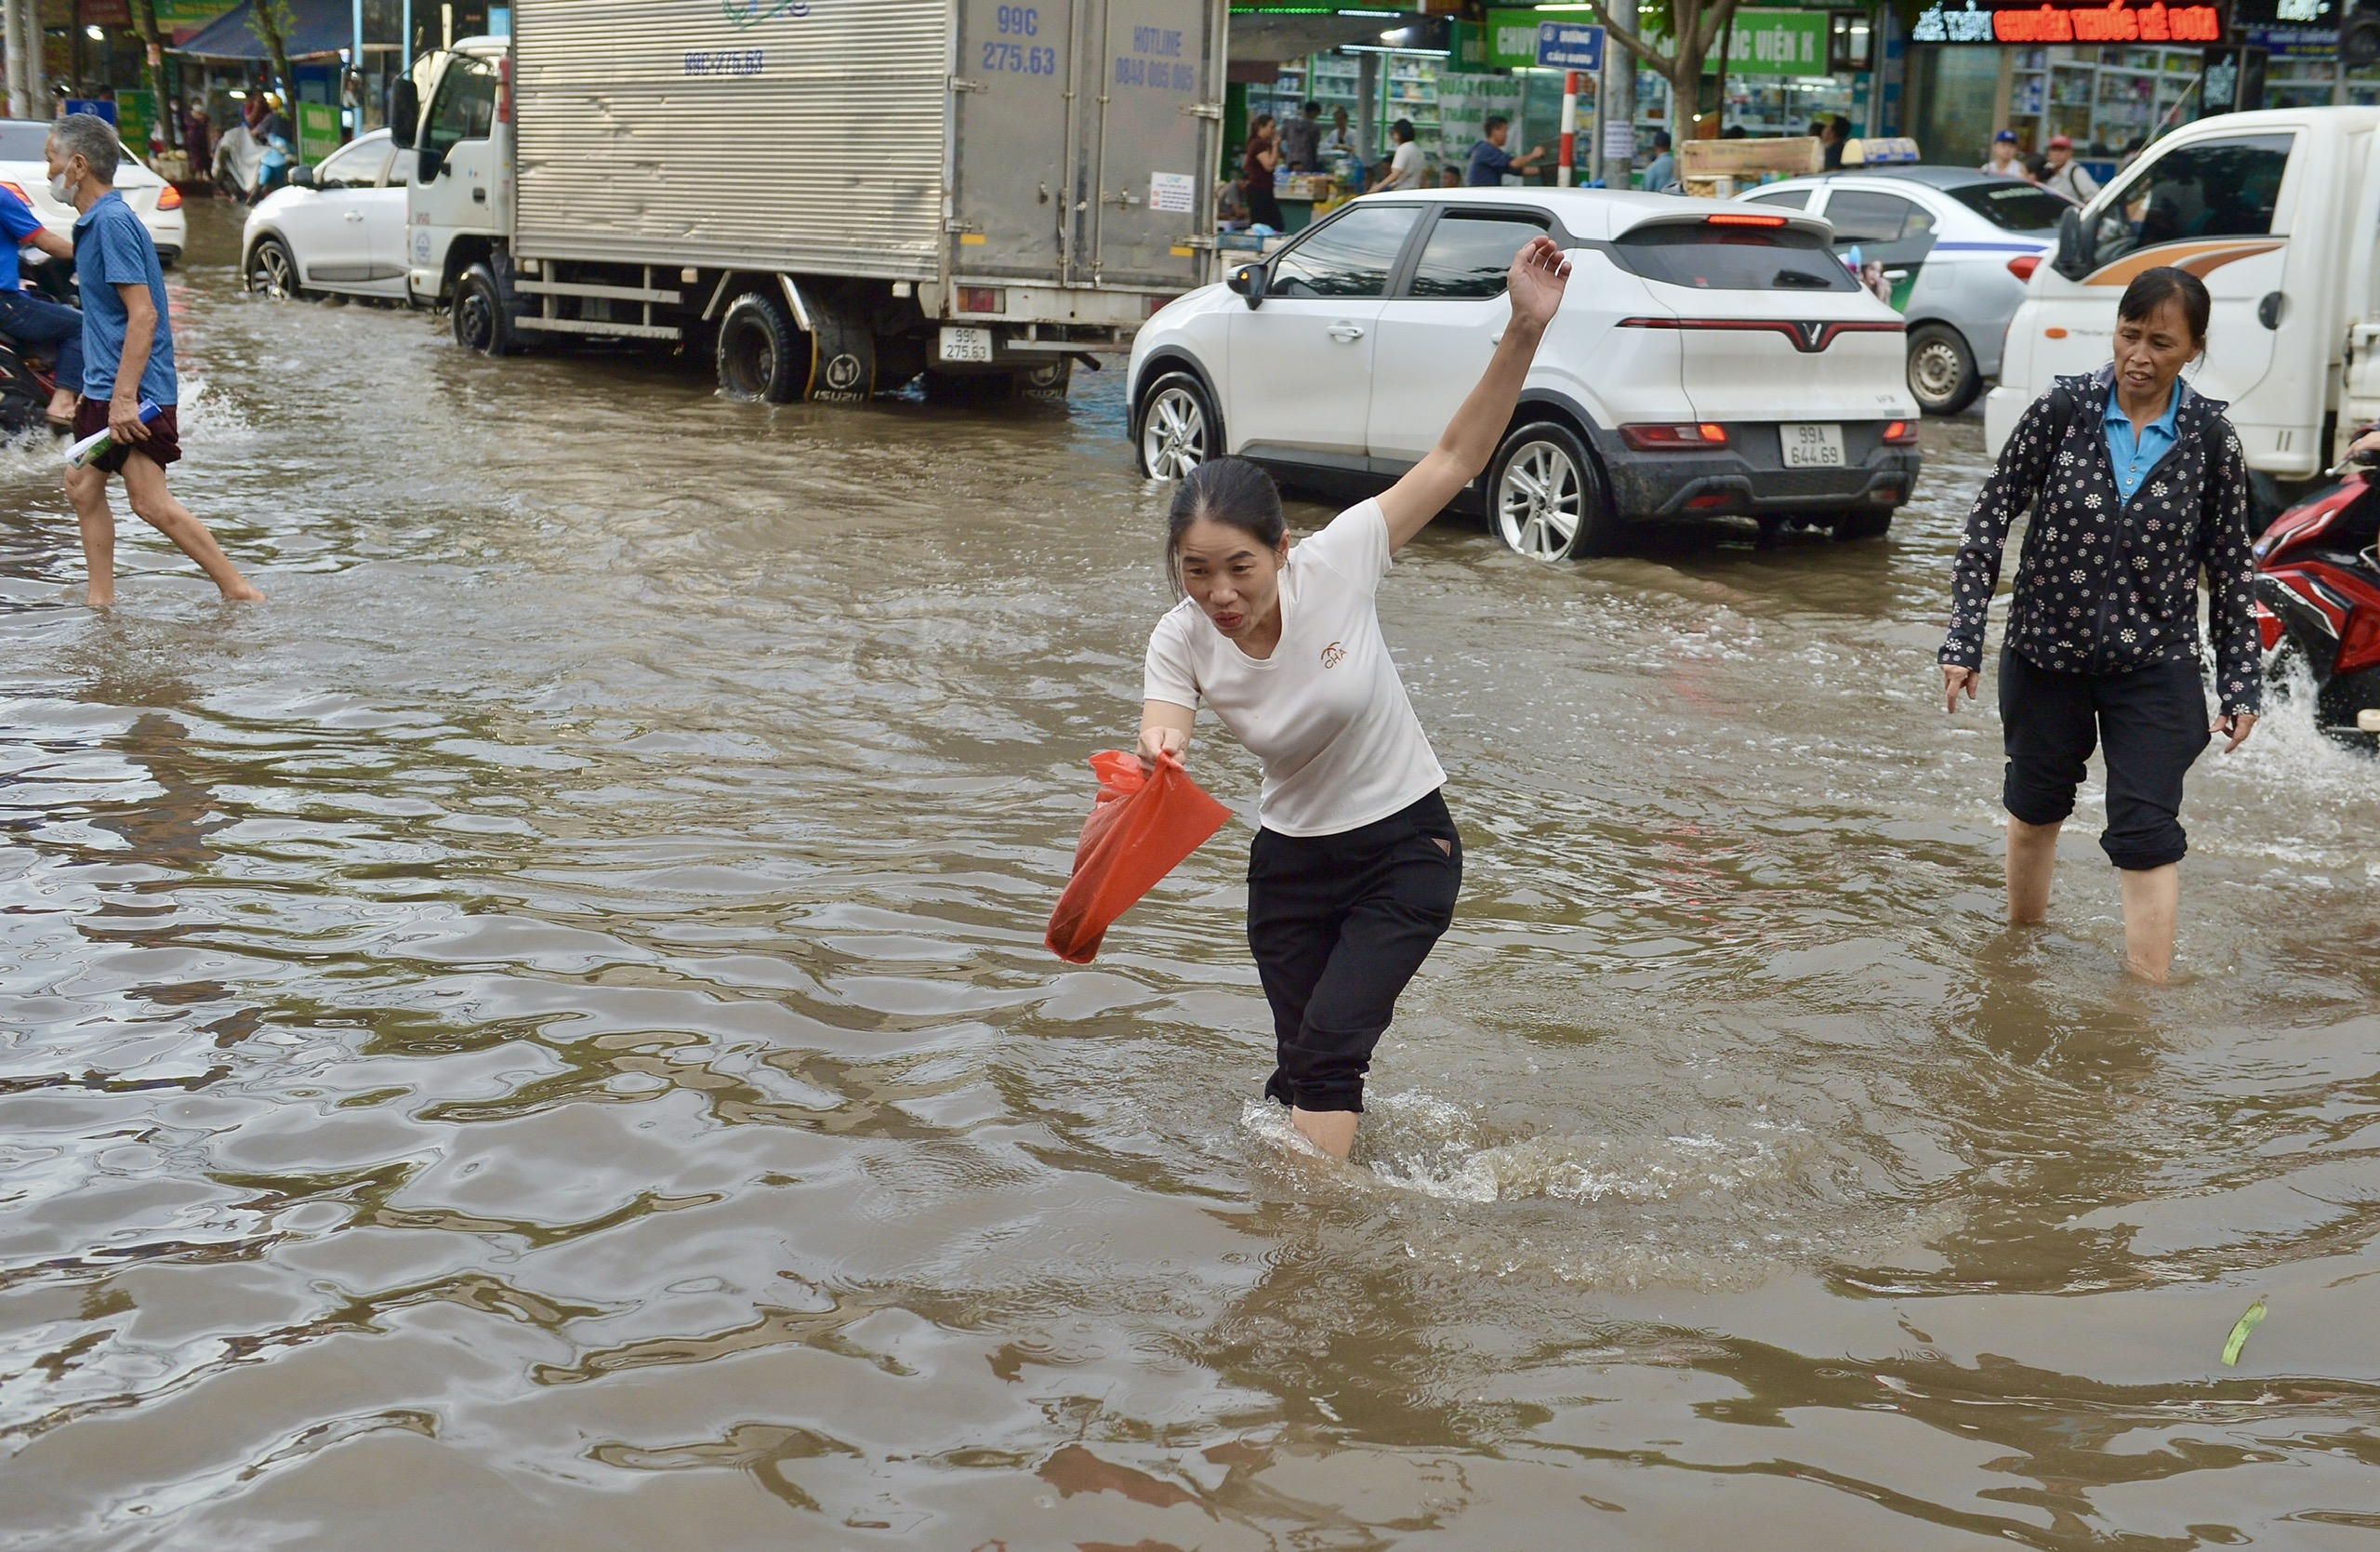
x=2248 y=1322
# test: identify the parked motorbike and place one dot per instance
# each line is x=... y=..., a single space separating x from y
x=27 y=381
x=2318 y=600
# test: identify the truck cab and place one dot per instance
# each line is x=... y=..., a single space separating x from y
x=2278 y=212
x=458 y=182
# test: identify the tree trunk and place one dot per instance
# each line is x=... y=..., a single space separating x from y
x=273 y=20
x=144 y=21
x=1693 y=28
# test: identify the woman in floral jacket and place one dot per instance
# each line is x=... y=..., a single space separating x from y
x=2137 y=484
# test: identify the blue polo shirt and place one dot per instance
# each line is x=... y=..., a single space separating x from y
x=112 y=248
x=2132 y=458
x=1489 y=162
x=17 y=223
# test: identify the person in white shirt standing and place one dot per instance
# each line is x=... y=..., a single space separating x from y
x=1354 y=872
x=2067 y=176
x=1405 y=164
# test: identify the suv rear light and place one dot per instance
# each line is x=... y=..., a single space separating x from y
x=170 y=198
x=982 y=298
x=1742 y=217
x=1674 y=439
x=2024 y=264
x=1900 y=433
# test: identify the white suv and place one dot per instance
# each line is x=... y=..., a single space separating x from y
x=1709 y=360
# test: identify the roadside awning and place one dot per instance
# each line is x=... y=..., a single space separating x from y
x=315 y=26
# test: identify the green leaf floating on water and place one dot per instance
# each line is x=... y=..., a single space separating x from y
x=2248 y=1322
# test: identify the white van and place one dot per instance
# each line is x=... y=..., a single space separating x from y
x=2279 y=212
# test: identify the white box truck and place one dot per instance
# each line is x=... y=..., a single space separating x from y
x=829 y=197
x=2278 y=213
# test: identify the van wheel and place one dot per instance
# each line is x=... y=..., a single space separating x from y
x=1546 y=497
x=761 y=355
x=481 y=322
x=1941 y=369
x=1178 y=429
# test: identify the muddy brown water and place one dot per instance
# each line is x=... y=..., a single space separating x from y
x=540 y=1037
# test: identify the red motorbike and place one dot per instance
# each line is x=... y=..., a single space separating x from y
x=2318 y=600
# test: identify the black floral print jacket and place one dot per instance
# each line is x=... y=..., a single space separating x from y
x=2107 y=584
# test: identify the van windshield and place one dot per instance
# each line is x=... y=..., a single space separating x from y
x=1709 y=258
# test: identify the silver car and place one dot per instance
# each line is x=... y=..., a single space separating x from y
x=1953 y=248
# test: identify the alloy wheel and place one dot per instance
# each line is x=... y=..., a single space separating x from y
x=270 y=272
x=1540 y=501
x=1936 y=370
x=1173 y=434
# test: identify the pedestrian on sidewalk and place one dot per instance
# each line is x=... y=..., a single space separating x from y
x=2136 y=484
x=1301 y=140
x=1404 y=164
x=2067 y=176
x=127 y=358
x=1489 y=162
x=2003 y=162
x=31 y=320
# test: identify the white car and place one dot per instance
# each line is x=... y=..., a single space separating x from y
x=1708 y=360
x=156 y=202
x=337 y=227
x=1957 y=247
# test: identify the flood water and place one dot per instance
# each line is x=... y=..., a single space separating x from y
x=539 y=1037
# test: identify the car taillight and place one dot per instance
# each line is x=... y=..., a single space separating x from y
x=1742 y=217
x=1902 y=433
x=170 y=198
x=982 y=298
x=1674 y=438
x=2024 y=264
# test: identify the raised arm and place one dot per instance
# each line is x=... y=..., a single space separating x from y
x=1536 y=283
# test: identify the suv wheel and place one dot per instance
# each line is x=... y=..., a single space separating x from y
x=1178 y=429
x=1546 y=497
x=1941 y=369
x=272 y=270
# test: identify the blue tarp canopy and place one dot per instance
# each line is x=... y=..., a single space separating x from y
x=316 y=27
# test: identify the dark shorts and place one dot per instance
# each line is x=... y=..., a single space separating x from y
x=1338 y=924
x=2151 y=723
x=163 y=446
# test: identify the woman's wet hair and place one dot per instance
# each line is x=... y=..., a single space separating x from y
x=1232 y=491
x=2152 y=289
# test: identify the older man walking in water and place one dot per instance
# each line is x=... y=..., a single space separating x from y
x=127 y=358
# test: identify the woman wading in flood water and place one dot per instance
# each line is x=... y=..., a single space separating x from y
x=1354 y=871
x=2137 y=483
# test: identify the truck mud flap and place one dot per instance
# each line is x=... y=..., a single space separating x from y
x=843 y=347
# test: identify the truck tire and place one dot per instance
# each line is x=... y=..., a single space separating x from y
x=1546 y=498
x=482 y=320
x=846 y=352
x=1048 y=382
x=1942 y=377
x=761 y=356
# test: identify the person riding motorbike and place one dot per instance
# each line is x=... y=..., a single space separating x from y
x=31 y=320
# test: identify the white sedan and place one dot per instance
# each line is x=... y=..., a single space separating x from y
x=26 y=170
x=338 y=227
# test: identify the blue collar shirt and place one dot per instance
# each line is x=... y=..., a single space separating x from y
x=2130 y=457
x=112 y=248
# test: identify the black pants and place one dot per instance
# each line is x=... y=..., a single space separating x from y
x=1338 y=924
x=2153 y=722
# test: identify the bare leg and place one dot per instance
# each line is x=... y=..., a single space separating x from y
x=61 y=405
x=144 y=482
x=2152 y=904
x=1331 y=1130
x=2032 y=858
x=87 y=488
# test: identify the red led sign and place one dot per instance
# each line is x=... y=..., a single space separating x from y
x=2118 y=21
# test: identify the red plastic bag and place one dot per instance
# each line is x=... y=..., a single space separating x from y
x=1141 y=827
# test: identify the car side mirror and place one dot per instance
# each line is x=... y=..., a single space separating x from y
x=2074 y=245
x=302 y=177
x=433 y=164
x=1248 y=281
x=405 y=111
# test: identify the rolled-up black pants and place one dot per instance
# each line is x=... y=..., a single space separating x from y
x=1338 y=924
x=2153 y=723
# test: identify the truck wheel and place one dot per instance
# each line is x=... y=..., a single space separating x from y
x=1177 y=428
x=1941 y=369
x=1047 y=382
x=271 y=269
x=761 y=355
x=1546 y=498
x=481 y=322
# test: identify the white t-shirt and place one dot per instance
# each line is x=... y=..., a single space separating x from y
x=1405 y=166
x=1327 y=712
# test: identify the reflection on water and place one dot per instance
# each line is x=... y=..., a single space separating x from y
x=540 y=1036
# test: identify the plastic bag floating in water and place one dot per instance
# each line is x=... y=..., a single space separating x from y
x=1142 y=825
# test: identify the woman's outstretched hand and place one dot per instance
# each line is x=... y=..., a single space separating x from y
x=1538 y=275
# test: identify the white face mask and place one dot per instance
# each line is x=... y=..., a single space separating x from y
x=58 y=189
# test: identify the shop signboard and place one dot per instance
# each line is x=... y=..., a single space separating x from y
x=1465 y=103
x=2294 y=43
x=181 y=20
x=2250 y=15
x=1767 y=43
x=2041 y=22
x=317 y=131
x=135 y=109
x=1508 y=41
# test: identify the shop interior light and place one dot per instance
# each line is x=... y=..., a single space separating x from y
x=236 y=95
x=96 y=33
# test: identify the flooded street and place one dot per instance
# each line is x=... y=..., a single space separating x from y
x=540 y=1037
